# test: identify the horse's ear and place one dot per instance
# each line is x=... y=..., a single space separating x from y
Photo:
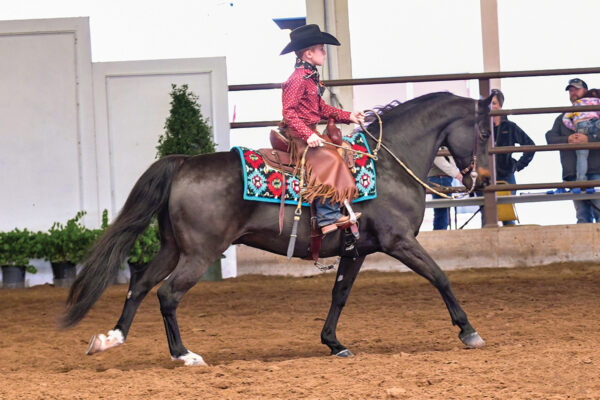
x=485 y=102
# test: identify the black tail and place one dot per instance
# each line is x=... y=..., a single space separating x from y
x=149 y=195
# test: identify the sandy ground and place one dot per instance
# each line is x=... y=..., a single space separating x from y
x=260 y=336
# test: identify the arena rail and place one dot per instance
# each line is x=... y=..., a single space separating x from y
x=490 y=200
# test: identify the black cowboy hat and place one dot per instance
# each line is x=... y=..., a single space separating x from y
x=306 y=36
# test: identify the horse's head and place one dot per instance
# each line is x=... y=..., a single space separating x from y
x=467 y=141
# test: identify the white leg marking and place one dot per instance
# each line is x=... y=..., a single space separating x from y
x=100 y=342
x=340 y=278
x=191 y=359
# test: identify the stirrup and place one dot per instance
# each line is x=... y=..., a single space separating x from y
x=324 y=267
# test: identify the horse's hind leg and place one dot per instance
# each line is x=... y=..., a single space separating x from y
x=140 y=283
x=414 y=256
x=188 y=272
x=346 y=274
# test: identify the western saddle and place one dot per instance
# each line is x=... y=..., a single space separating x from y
x=280 y=157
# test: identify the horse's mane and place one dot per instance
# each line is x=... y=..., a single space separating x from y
x=396 y=106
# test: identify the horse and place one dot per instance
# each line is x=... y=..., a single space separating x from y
x=200 y=210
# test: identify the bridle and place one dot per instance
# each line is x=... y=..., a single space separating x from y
x=471 y=169
x=477 y=135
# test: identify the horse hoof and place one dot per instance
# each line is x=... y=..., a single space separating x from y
x=191 y=360
x=345 y=353
x=100 y=343
x=95 y=345
x=473 y=341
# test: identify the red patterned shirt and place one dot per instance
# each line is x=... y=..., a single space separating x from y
x=302 y=105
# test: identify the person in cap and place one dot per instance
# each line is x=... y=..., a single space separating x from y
x=585 y=210
x=329 y=182
x=583 y=123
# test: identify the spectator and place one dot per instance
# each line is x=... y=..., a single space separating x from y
x=442 y=172
x=586 y=210
x=586 y=123
x=507 y=133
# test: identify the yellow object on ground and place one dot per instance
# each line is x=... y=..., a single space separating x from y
x=506 y=212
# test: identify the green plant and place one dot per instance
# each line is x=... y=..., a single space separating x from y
x=104 y=220
x=96 y=233
x=17 y=247
x=69 y=242
x=146 y=246
x=186 y=131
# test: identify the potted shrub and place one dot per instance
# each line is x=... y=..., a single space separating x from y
x=145 y=248
x=17 y=247
x=187 y=132
x=64 y=246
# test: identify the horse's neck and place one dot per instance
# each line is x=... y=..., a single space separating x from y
x=417 y=145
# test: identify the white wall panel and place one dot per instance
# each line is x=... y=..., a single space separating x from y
x=70 y=141
x=132 y=104
x=47 y=167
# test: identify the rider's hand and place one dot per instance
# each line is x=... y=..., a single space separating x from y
x=459 y=177
x=314 y=140
x=357 y=117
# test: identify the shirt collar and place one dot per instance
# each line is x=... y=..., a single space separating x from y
x=314 y=73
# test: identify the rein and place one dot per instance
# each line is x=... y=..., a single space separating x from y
x=374 y=157
x=408 y=170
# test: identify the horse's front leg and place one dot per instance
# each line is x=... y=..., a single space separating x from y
x=406 y=249
x=346 y=274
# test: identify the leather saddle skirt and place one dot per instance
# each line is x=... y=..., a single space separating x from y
x=278 y=159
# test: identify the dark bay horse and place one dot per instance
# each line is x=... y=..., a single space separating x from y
x=199 y=205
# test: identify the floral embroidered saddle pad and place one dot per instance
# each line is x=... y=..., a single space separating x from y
x=264 y=183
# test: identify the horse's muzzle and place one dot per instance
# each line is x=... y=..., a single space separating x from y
x=484 y=172
x=484 y=177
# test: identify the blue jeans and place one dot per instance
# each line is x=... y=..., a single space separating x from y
x=327 y=213
x=441 y=216
x=584 y=210
x=590 y=128
x=581 y=165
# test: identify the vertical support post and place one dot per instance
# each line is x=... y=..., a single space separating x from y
x=489 y=38
x=332 y=17
x=490 y=210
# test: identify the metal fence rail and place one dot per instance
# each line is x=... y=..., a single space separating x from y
x=429 y=78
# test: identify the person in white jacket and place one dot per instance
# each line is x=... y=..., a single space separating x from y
x=442 y=172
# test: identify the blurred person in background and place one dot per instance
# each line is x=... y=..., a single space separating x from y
x=442 y=172
x=585 y=210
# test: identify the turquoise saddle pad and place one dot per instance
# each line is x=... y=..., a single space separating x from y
x=263 y=183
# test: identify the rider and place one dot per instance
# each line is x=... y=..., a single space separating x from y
x=329 y=181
